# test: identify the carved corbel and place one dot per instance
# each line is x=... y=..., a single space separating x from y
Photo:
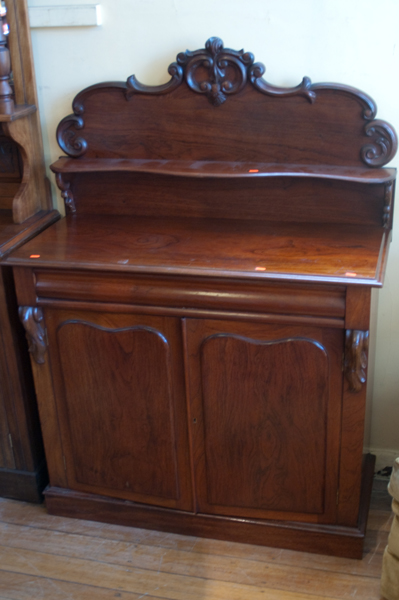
x=32 y=320
x=356 y=347
x=65 y=187
x=388 y=202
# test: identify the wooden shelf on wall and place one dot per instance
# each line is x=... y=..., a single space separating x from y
x=222 y=169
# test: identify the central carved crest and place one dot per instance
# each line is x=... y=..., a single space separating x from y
x=215 y=71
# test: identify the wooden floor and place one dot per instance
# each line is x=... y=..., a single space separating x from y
x=46 y=557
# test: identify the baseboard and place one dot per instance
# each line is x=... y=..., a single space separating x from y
x=330 y=539
x=24 y=485
x=385 y=457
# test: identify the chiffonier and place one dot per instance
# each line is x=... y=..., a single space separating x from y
x=198 y=323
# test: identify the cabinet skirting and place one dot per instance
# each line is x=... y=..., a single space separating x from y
x=331 y=539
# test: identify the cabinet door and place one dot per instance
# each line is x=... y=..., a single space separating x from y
x=119 y=390
x=265 y=406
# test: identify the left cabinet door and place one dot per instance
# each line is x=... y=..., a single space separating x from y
x=119 y=389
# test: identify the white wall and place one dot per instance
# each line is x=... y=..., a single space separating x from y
x=348 y=41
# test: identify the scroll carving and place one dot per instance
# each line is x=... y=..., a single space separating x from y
x=68 y=137
x=66 y=193
x=304 y=89
x=356 y=347
x=383 y=146
x=216 y=71
x=388 y=203
x=32 y=320
x=368 y=104
x=135 y=87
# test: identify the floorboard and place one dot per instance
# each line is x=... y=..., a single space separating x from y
x=45 y=557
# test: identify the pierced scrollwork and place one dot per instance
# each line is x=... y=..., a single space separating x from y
x=388 y=202
x=356 y=347
x=215 y=71
x=304 y=89
x=68 y=138
x=32 y=320
x=135 y=87
x=65 y=187
x=383 y=146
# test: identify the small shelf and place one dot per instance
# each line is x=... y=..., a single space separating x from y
x=222 y=169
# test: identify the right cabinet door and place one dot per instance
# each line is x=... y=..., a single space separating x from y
x=265 y=411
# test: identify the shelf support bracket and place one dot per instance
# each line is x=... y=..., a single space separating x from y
x=388 y=202
x=65 y=187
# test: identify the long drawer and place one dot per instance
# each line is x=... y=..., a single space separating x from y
x=185 y=292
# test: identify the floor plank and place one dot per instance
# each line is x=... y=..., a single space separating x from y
x=193 y=564
x=48 y=557
x=18 y=586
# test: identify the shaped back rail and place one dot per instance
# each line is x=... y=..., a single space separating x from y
x=216 y=114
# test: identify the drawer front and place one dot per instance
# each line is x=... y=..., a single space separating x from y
x=191 y=293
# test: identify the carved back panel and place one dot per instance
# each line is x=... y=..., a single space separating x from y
x=217 y=106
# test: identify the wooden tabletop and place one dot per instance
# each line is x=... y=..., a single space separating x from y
x=218 y=247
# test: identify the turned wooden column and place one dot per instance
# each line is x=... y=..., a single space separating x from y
x=6 y=93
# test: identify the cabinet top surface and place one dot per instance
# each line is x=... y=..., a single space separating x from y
x=211 y=247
